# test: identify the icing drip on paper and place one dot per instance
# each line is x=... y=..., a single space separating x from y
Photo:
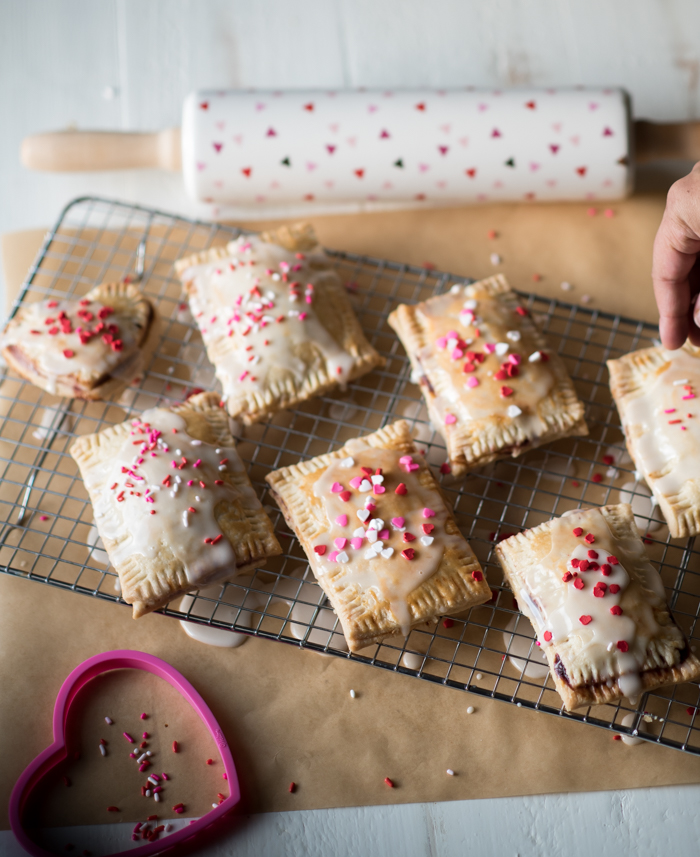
x=490 y=343
x=582 y=590
x=84 y=338
x=665 y=419
x=168 y=486
x=255 y=309
x=386 y=531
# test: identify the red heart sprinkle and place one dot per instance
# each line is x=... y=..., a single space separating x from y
x=592 y=554
x=567 y=576
x=409 y=537
x=320 y=549
x=585 y=620
x=471 y=172
x=447 y=623
x=578 y=583
x=578 y=531
x=345 y=496
x=608 y=459
x=613 y=560
x=589 y=537
x=605 y=570
x=427 y=528
x=367 y=471
x=575 y=562
x=581 y=170
x=204 y=105
x=478 y=576
x=583 y=565
x=547 y=636
x=409 y=553
x=68 y=353
x=616 y=610
x=623 y=645
x=309 y=106
x=614 y=588
x=359 y=173
x=400 y=489
x=247 y=171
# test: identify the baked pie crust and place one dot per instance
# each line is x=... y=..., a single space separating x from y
x=598 y=606
x=167 y=537
x=379 y=537
x=276 y=321
x=655 y=392
x=86 y=349
x=492 y=386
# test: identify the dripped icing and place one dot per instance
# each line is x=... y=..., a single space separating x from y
x=664 y=419
x=484 y=360
x=169 y=486
x=386 y=530
x=255 y=309
x=581 y=590
x=84 y=338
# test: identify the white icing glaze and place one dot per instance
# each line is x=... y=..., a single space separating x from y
x=614 y=642
x=525 y=657
x=255 y=309
x=643 y=504
x=479 y=363
x=158 y=477
x=84 y=338
x=667 y=447
x=370 y=547
x=630 y=740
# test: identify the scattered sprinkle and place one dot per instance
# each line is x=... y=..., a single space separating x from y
x=352 y=694
x=566 y=287
x=450 y=772
x=389 y=782
x=470 y=709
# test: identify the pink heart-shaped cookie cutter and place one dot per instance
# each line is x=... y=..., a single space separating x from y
x=57 y=752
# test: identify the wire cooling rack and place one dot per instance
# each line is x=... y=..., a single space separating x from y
x=47 y=533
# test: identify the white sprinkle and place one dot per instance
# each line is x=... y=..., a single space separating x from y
x=479 y=676
x=359 y=533
x=610 y=646
x=363 y=514
x=513 y=411
x=586 y=299
x=103 y=750
x=680 y=382
x=611 y=472
x=198 y=498
x=365 y=486
x=185 y=518
x=513 y=335
x=519 y=704
x=352 y=694
x=427 y=540
x=342 y=557
x=450 y=772
x=153 y=780
x=347 y=462
x=638 y=476
x=387 y=553
x=452 y=343
x=222 y=467
x=502 y=348
x=377 y=479
x=372 y=535
x=566 y=287
x=470 y=710
x=178 y=452
x=171 y=369
x=148 y=792
x=455 y=289
x=535 y=357
x=495 y=259
x=369 y=554
x=647 y=718
x=195 y=443
x=275 y=277
x=470 y=304
x=217 y=451
x=141 y=758
x=156 y=797
x=109 y=721
x=148 y=753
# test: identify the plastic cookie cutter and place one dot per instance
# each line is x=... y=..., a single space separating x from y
x=58 y=751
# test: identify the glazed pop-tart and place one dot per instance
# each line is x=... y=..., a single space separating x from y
x=276 y=321
x=656 y=392
x=173 y=503
x=493 y=387
x=379 y=537
x=597 y=605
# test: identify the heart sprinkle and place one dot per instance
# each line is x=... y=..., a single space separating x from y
x=428 y=513
x=586 y=620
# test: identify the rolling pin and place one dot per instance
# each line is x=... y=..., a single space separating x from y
x=398 y=147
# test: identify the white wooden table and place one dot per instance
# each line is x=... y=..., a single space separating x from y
x=127 y=64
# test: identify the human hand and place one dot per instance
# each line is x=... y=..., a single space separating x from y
x=675 y=269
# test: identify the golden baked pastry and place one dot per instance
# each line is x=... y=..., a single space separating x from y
x=86 y=349
x=492 y=387
x=172 y=502
x=379 y=536
x=276 y=321
x=656 y=394
x=598 y=606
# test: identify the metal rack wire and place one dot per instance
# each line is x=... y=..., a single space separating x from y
x=46 y=519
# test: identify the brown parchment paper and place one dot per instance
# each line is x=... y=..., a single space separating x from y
x=287 y=713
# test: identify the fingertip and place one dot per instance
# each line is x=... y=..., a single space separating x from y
x=673 y=333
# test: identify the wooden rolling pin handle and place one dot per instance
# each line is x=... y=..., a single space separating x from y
x=83 y=151
x=678 y=141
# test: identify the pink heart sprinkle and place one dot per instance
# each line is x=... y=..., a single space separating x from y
x=342 y=520
x=441 y=342
x=457 y=353
x=336 y=488
x=355 y=482
x=515 y=359
x=452 y=334
x=340 y=542
x=411 y=467
x=450 y=419
x=333 y=556
x=473 y=382
x=398 y=522
x=378 y=489
x=406 y=459
x=384 y=535
x=428 y=513
x=356 y=543
x=489 y=347
x=370 y=506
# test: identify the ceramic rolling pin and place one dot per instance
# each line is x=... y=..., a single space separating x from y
x=398 y=147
